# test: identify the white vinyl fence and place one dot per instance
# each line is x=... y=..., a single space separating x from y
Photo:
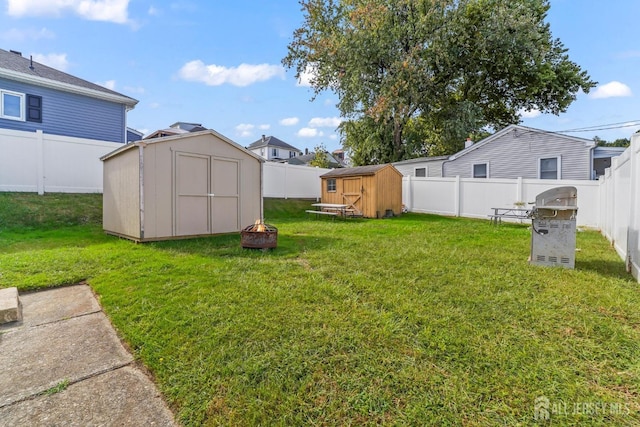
x=620 y=205
x=39 y=162
x=285 y=181
x=476 y=198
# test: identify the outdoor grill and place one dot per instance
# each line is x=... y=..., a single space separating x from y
x=553 y=236
x=259 y=236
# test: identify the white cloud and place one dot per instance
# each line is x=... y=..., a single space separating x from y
x=244 y=129
x=15 y=34
x=216 y=75
x=612 y=89
x=93 y=10
x=289 y=121
x=53 y=60
x=325 y=122
x=309 y=133
x=109 y=84
x=307 y=76
x=264 y=127
x=154 y=105
x=529 y=114
x=333 y=137
x=153 y=11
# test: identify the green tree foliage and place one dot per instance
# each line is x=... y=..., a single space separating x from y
x=417 y=77
x=620 y=142
x=320 y=159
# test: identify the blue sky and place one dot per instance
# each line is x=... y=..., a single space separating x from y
x=218 y=63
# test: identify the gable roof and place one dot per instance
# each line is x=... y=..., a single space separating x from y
x=146 y=142
x=13 y=66
x=421 y=160
x=356 y=171
x=271 y=141
x=307 y=158
x=522 y=129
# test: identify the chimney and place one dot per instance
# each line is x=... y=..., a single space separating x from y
x=306 y=151
x=264 y=138
x=468 y=143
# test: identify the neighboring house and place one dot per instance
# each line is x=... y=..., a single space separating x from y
x=134 y=135
x=36 y=97
x=517 y=151
x=274 y=149
x=306 y=160
x=178 y=128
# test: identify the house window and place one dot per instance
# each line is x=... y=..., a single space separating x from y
x=292 y=154
x=331 y=184
x=421 y=172
x=11 y=105
x=262 y=152
x=549 y=168
x=274 y=152
x=481 y=170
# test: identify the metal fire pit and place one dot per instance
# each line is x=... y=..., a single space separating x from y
x=259 y=236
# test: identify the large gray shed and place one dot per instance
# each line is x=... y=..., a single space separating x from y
x=187 y=185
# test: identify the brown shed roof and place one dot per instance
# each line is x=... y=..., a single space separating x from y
x=355 y=171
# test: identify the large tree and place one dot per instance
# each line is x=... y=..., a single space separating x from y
x=416 y=77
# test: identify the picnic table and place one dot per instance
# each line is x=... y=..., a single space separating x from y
x=331 y=209
x=517 y=213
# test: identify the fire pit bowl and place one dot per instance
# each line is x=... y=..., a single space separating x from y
x=259 y=236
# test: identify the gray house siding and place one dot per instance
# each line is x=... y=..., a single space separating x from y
x=71 y=114
x=516 y=151
x=408 y=167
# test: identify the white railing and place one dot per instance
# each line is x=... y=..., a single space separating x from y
x=285 y=181
x=39 y=162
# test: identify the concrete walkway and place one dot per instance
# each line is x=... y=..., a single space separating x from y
x=63 y=365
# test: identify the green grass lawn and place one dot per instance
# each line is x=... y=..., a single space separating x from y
x=415 y=320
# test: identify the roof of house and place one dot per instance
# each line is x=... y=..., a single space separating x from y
x=522 y=129
x=146 y=142
x=271 y=141
x=14 y=66
x=356 y=171
x=305 y=159
x=421 y=160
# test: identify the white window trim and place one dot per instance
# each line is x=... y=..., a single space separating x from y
x=335 y=185
x=426 y=172
x=274 y=152
x=558 y=164
x=473 y=165
x=22 y=97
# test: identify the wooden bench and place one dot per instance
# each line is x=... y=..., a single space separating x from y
x=332 y=214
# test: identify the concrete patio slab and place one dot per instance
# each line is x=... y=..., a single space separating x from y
x=36 y=359
x=124 y=397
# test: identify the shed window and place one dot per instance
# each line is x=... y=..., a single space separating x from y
x=481 y=170
x=34 y=108
x=421 y=172
x=549 y=168
x=331 y=184
x=11 y=105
